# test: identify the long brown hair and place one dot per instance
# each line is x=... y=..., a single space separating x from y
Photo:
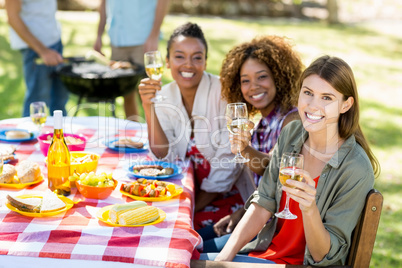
x=340 y=76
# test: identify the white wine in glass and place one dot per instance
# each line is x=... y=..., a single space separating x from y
x=290 y=163
x=237 y=120
x=154 y=68
x=38 y=112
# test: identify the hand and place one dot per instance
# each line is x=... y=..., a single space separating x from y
x=242 y=140
x=98 y=45
x=147 y=89
x=303 y=193
x=228 y=223
x=51 y=57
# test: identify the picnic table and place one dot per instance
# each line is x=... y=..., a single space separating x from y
x=76 y=238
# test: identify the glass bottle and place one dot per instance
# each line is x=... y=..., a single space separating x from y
x=58 y=159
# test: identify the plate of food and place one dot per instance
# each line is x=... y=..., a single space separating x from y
x=126 y=145
x=133 y=214
x=154 y=170
x=150 y=190
x=7 y=152
x=36 y=205
x=17 y=135
x=24 y=174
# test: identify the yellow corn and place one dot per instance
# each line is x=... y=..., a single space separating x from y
x=138 y=216
x=118 y=209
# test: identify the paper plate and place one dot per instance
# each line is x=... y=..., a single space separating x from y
x=109 y=144
x=176 y=170
x=69 y=204
x=103 y=216
x=179 y=190
x=3 y=136
x=21 y=185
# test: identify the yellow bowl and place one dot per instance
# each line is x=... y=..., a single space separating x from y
x=85 y=167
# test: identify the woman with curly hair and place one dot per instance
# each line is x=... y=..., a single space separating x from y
x=263 y=74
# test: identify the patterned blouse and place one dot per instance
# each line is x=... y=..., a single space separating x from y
x=267 y=132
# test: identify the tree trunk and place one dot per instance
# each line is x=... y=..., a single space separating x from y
x=332 y=7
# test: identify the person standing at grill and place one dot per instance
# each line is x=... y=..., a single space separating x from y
x=133 y=28
x=36 y=33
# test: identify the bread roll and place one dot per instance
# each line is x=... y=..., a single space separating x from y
x=17 y=134
x=28 y=171
x=8 y=174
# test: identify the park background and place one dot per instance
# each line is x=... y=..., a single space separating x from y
x=365 y=33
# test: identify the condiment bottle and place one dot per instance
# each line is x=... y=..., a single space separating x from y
x=58 y=159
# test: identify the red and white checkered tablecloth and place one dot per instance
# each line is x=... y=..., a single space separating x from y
x=77 y=234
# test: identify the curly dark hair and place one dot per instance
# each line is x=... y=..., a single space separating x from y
x=277 y=54
x=188 y=30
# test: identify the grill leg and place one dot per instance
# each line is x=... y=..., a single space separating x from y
x=78 y=105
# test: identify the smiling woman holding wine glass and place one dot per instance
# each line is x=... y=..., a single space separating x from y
x=191 y=123
x=338 y=172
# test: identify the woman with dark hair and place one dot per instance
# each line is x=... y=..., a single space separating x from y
x=191 y=123
x=338 y=173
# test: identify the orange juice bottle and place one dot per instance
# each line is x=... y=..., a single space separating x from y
x=58 y=159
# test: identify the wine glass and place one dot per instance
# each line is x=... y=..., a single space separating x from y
x=1 y=164
x=237 y=120
x=38 y=112
x=290 y=162
x=154 y=68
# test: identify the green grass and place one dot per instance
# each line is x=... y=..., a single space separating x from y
x=373 y=51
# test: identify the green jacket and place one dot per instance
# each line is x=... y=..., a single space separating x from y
x=341 y=193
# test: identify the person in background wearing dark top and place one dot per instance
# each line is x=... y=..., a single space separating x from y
x=339 y=171
x=262 y=73
x=133 y=29
x=191 y=123
x=36 y=33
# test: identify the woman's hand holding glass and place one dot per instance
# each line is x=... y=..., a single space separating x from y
x=242 y=140
x=147 y=89
x=154 y=68
x=302 y=192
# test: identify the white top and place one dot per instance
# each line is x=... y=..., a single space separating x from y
x=210 y=132
x=39 y=17
x=58 y=119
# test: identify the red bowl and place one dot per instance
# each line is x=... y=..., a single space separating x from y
x=94 y=191
x=44 y=145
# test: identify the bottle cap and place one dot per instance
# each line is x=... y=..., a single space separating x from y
x=58 y=119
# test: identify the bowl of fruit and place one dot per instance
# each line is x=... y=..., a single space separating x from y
x=96 y=186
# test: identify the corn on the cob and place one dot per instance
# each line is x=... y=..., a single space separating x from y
x=118 y=209
x=138 y=216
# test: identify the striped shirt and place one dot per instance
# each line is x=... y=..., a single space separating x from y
x=267 y=132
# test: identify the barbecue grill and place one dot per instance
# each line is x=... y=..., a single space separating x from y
x=98 y=83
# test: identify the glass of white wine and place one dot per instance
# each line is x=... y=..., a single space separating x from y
x=290 y=162
x=154 y=68
x=237 y=120
x=38 y=112
x=1 y=164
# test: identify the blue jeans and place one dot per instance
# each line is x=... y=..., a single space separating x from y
x=212 y=243
x=42 y=83
x=237 y=258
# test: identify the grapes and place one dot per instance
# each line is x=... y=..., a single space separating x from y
x=93 y=179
